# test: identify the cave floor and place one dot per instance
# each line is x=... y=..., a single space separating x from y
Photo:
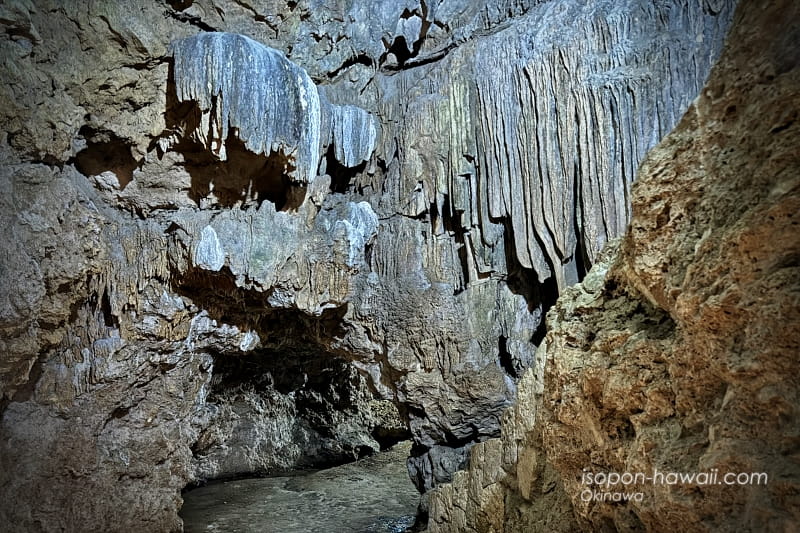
x=372 y=495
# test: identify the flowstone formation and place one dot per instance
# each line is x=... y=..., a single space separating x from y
x=250 y=237
x=270 y=102
x=675 y=354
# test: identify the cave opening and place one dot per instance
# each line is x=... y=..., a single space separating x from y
x=506 y=359
x=342 y=177
x=398 y=50
x=243 y=179
x=539 y=294
x=293 y=432
x=449 y=222
x=276 y=410
x=180 y=5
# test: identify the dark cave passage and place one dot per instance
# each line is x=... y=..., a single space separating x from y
x=295 y=441
x=243 y=179
x=105 y=152
x=272 y=411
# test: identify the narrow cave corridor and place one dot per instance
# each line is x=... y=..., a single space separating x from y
x=295 y=441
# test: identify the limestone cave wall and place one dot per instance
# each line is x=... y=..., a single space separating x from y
x=243 y=237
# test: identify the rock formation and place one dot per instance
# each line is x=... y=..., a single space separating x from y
x=675 y=354
x=270 y=102
x=244 y=237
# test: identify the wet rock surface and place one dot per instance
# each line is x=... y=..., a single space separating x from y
x=373 y=495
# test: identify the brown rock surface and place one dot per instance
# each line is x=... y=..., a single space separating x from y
x=679 y=354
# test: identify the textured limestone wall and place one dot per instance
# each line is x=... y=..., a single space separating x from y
x=180 y=300
x=677 y=352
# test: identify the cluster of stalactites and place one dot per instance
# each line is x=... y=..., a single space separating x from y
x=271 y=104
x=539 y=128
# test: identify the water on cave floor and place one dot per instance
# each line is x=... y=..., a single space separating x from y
x=372 y=495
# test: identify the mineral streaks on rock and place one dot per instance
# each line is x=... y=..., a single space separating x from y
x=239 y=83
x=354 y=232
x=208 y=253
x=666 y=356
x=354 y=134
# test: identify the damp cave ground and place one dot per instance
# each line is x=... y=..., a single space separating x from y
x=371 y=495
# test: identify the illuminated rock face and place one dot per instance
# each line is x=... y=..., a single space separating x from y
x=239 y=83
x=245 y=238
x=270 y=102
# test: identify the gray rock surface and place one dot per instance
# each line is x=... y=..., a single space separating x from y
x=325 y=284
